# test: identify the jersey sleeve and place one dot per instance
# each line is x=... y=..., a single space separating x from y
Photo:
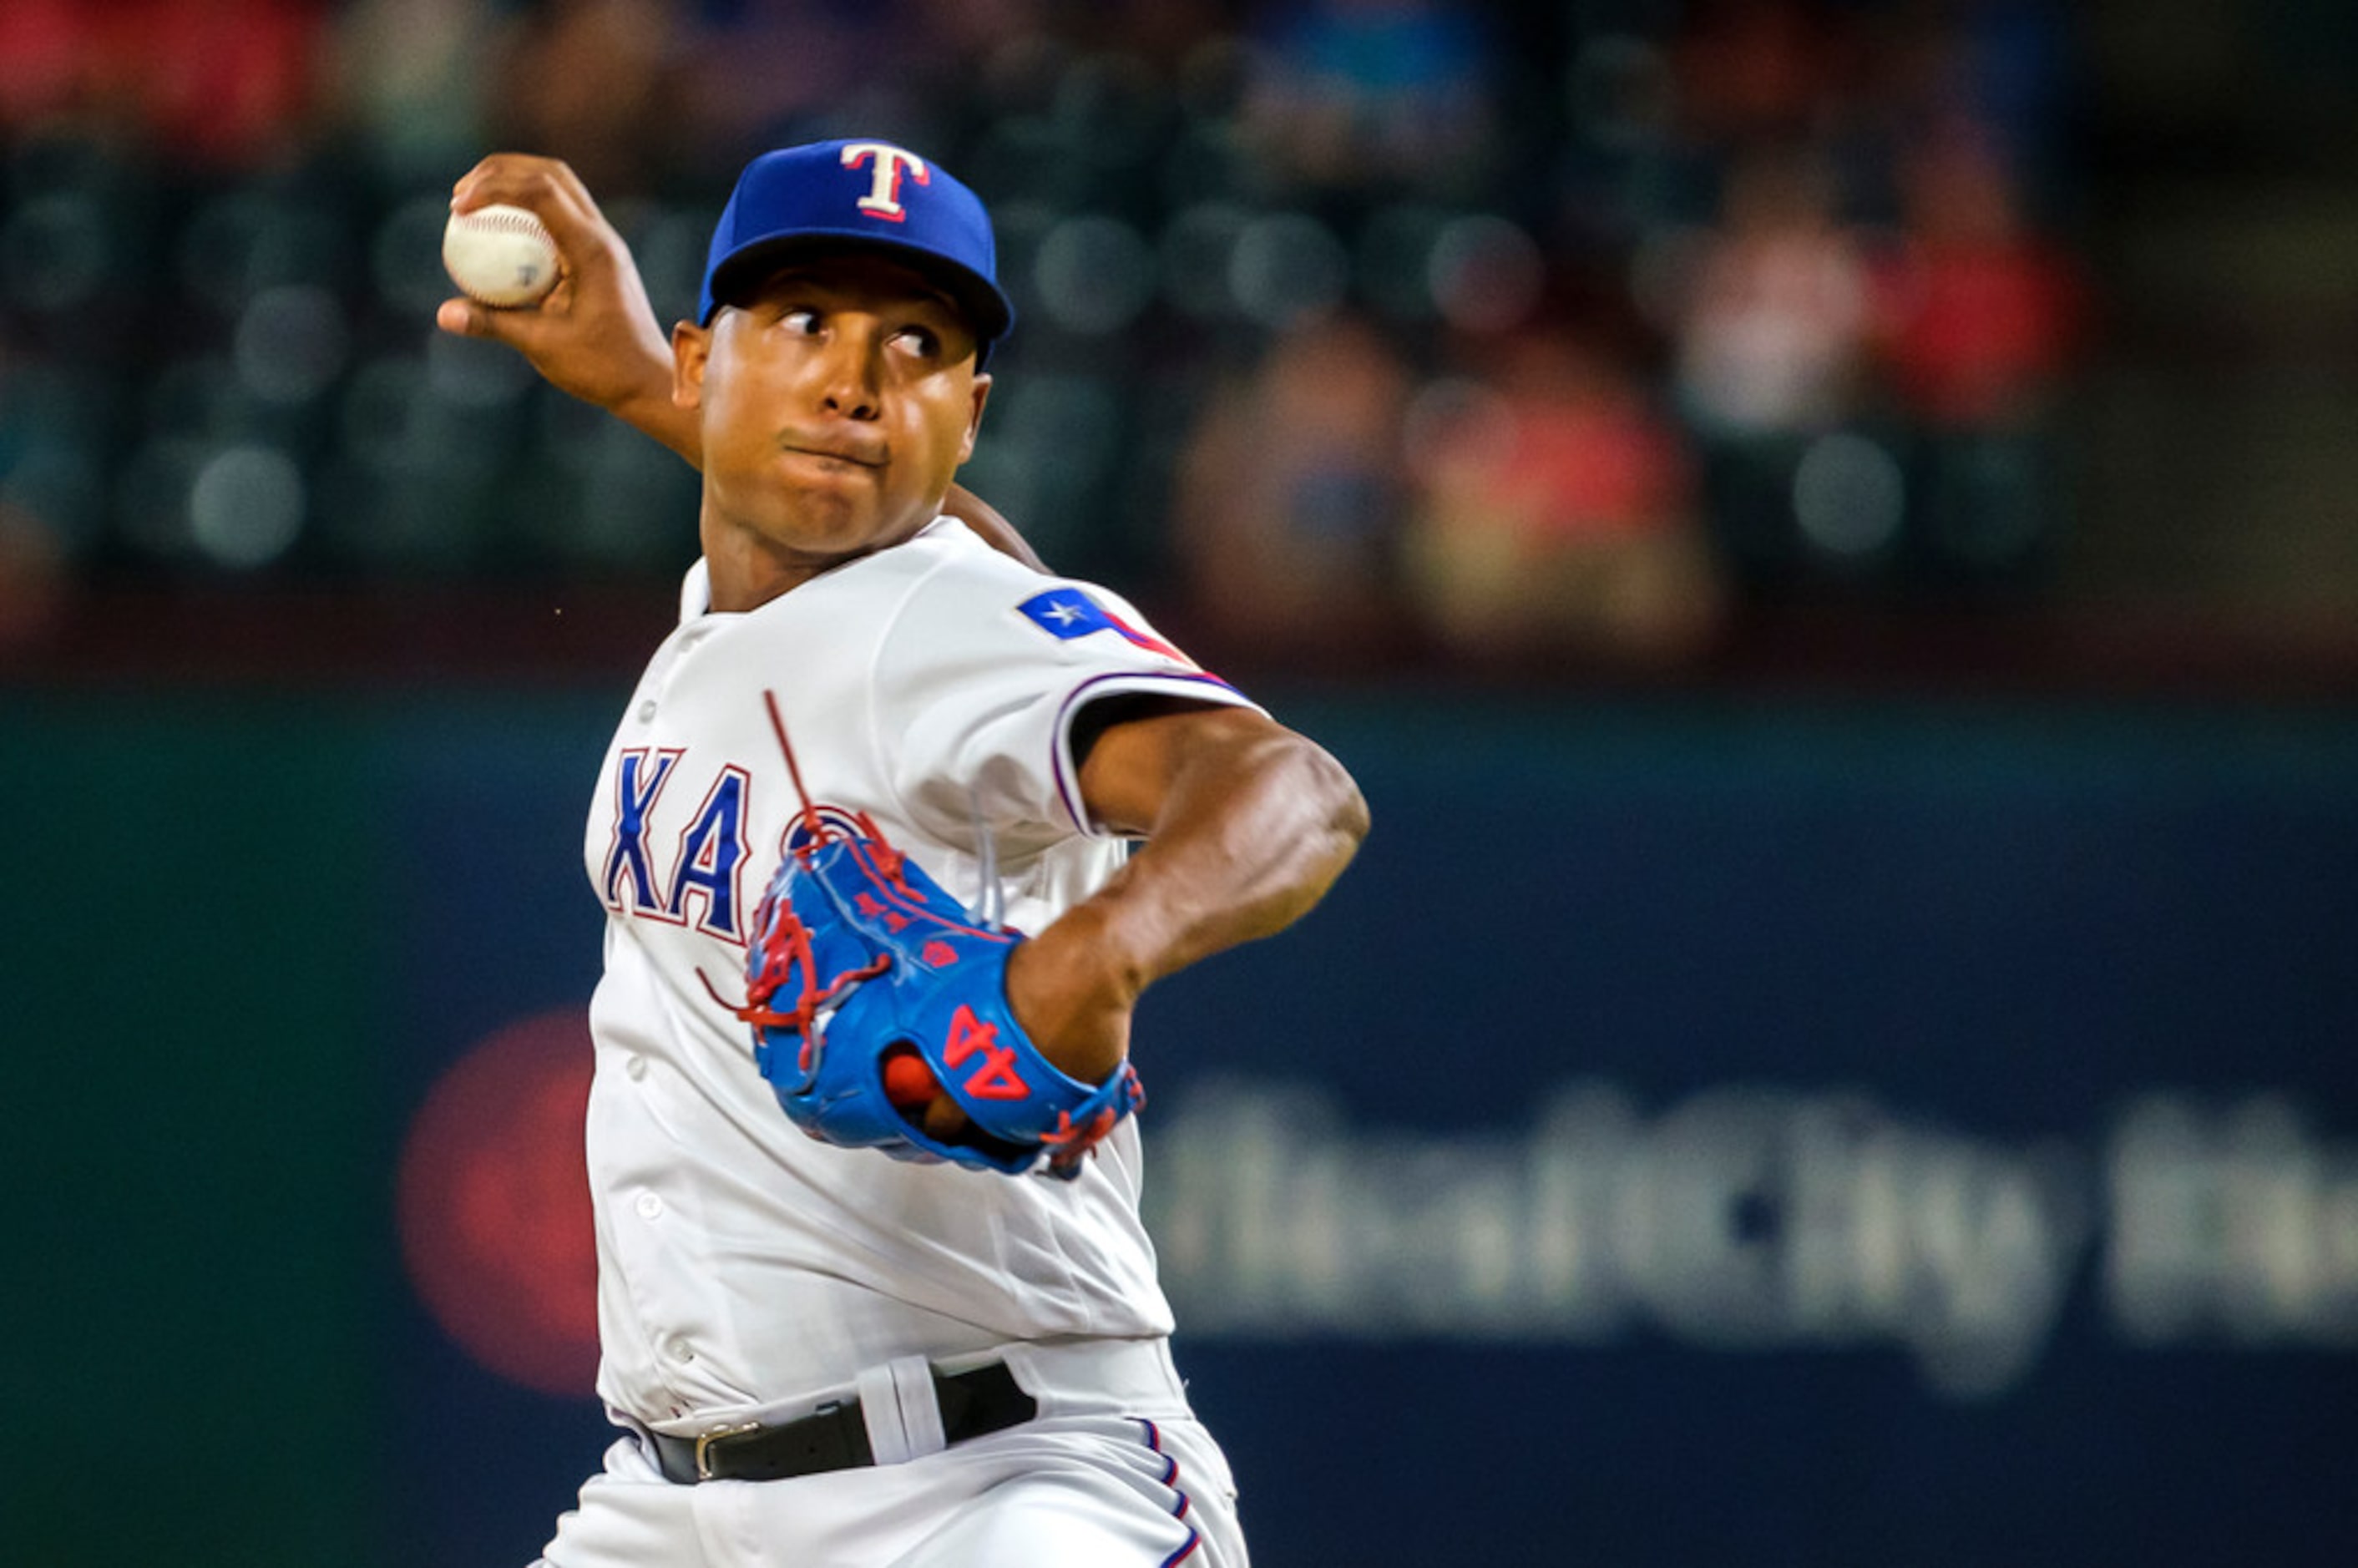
x=978 y=682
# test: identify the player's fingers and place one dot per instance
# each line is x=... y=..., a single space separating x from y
x=505 y=176
x=548 y=189
x=463 y=318
x=943 y=1122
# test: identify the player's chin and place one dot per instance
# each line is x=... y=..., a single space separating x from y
x=826 y=520
x=846 y=494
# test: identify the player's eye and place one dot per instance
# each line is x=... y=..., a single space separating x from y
x=919 y=342
x=803 y=322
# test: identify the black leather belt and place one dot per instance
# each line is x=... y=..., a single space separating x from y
x=835 y=1437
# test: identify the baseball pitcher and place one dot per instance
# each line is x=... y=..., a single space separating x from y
x=891 y=836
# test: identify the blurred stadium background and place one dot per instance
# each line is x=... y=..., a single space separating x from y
x=1828 y=520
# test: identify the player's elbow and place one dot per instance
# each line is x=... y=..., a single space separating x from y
x=1328 y=798
x=1346 y=809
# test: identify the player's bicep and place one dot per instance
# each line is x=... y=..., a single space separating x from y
x=1130 y=750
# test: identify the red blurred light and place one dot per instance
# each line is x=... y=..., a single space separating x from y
x=494 y=1205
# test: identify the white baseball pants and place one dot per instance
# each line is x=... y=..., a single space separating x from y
x=1104 y=1477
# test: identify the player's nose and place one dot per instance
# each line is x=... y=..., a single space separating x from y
x=847 y=376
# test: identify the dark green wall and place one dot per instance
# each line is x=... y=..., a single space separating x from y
x=189 y=1042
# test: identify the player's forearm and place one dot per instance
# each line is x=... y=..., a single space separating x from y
x=652 y=412
x=1249 y=842
x=1253 y=831
x=1253 y=827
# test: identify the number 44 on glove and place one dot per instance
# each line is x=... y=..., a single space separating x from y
x=858 y=960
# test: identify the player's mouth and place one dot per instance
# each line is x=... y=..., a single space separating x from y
x=835 y=452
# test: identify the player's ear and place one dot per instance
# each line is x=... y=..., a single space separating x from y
x=691 y=348
x=974 y=416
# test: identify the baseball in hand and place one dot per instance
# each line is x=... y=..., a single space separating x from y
x=500 y=256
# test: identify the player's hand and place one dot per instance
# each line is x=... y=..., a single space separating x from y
x=595 y=335
x=1073 y=1003
x=1077 y=1014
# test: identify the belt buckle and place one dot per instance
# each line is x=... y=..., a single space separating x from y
x=704 y=1443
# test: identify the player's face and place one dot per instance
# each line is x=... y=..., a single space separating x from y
x=836 y=403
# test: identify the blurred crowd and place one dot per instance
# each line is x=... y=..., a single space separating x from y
x=1517 y=331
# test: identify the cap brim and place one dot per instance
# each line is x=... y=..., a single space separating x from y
x=984 y=307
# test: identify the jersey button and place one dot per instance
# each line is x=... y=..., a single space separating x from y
x=636 y=1066
x=648 y=710
x=679 y=1350
x=648 y=1205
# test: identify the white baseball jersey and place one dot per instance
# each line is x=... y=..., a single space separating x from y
x=743 y=1265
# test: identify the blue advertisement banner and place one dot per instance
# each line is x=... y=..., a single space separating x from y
x=1689 y=1133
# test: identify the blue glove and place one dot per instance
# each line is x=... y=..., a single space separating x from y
x=860 y=961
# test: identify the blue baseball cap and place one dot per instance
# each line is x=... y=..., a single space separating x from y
x=863 y=195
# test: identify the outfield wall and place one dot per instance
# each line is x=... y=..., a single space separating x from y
x=1694 y=1132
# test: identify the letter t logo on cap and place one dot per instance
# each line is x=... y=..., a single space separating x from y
x=884 y=198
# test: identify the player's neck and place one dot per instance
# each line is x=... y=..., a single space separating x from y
x=746 y=579
x=748 y=569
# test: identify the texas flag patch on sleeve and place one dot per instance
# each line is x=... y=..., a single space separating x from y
x=1068 y=612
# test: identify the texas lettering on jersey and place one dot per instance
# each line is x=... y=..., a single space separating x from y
x=697 y=878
